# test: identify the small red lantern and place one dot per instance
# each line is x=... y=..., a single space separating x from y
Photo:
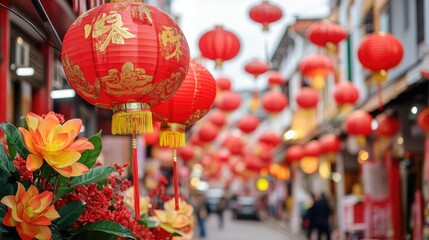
x=234 y=143
x=186 y=152
x=270 y=138
x=312 y=149
x=358 y=124
x=256 y=68
x=326 y=34
x=181 y=109
x=307 y=98
x=265 y=13
x=316 y=67
x=380 y=52
x=264 y=152
x=223 y=155
x=275 y=79
x=330 y=143
x=294 y=153
x=346 y=93
x=228 y=101
x=223 y=84
x=219 y=45
x=423 y=120
x=248 y=123
x=274 y=102
x=98 y=64
x=217 y=117
x=208 y=133
x=388 y=126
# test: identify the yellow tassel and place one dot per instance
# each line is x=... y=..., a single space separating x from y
x=318 y=82
x=331 y=49
x=361 y=140
x=131 y=118
x=380 y=76
x=172 y=135
x=254 y=103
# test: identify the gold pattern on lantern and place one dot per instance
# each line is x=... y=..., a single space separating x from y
x=139 y=11
x=107 y=28
x=130 y=81
x=197 y=115
x=170 y=43
x=168 y=87
x=78 y=80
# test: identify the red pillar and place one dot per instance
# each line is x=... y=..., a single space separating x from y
x=42 y=102
x=394 y=180
x=4 y=62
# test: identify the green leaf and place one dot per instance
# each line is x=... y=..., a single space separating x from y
x=109 y=227
x=55 y=233
x=147 y=222
x=171 y=230
x=91 y=235
x=69 y=214
x=14 y=141
x=7 y=185
x=89 y=157
x=24 y=122
x=62 y=191
x=95 y=175
x=5 y=163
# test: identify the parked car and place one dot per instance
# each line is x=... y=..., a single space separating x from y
x=245 y=207
x=213 y=197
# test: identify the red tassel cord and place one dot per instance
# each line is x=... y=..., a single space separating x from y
x=175 y=180
x=136 y=179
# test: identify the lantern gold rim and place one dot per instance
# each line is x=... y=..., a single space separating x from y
x=172 y=135
x=131 y=118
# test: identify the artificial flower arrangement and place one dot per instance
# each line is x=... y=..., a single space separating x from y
x=53 y=188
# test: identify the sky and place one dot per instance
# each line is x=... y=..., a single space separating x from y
x=199 y=16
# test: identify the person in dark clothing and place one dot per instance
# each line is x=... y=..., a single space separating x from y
x=221 y=206
x=321 y=212
x=309 y=218
x=201 y=213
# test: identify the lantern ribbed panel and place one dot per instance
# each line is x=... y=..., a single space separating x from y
x=228 y=101
x=265 y=13
x=219 y=44
x=274 y=102
x=256 y=68
x=322 y=33
x=380 y=51
x=358 y=123
x=223 y=83
x=346 y=93
x=307 y=98
x=294 y=153
x=248 y=123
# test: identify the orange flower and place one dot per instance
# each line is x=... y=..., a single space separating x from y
x=48 y=139
x=30 y=212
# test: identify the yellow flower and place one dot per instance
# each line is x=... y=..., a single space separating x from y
x=181 y=220
x=30 y=212
x=48 y=139
x=184 y=208
x=144 y=201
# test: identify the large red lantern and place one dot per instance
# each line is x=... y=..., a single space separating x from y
x=270 y=138
x=217 y=117
x=380 y=52
x=223 y=84
x=228 y=101
x=190 y=103
x=307 y=98
x=265 y=13
x=358 y=124
x=388 y=125
x=274 y=102
x=326 y=34
x=294 y=153
x=248 y=123
x=126 y=56
x=316 y=67
x=98 y=64
x=256 y=68
x=219 y=45
x=346 y=93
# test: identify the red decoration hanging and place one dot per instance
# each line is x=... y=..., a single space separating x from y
x=190 y=103
x=312 y=149
x=294 y=153
x=388 y=126
x=256 y=68
x=98 y=64
x=223 y=155
x=358 y=124
x=275 y=79
x=316 y=67
x=423 y=120
x=330 y=143
x=307 y=98
x=270 y=138
x=248 y=123
x=223 y=84
x=153 y=137
x=265 y=13
x=219 y=45
x=217 y=117
x=208 y=133
x=234 y=143
x=186 y=152
x=274 y=102
x=346 y=93
x=228 y=101
x=326 y=34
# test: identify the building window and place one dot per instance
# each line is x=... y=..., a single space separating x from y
x=420 y=21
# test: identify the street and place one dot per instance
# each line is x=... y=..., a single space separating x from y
x=246 y=229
